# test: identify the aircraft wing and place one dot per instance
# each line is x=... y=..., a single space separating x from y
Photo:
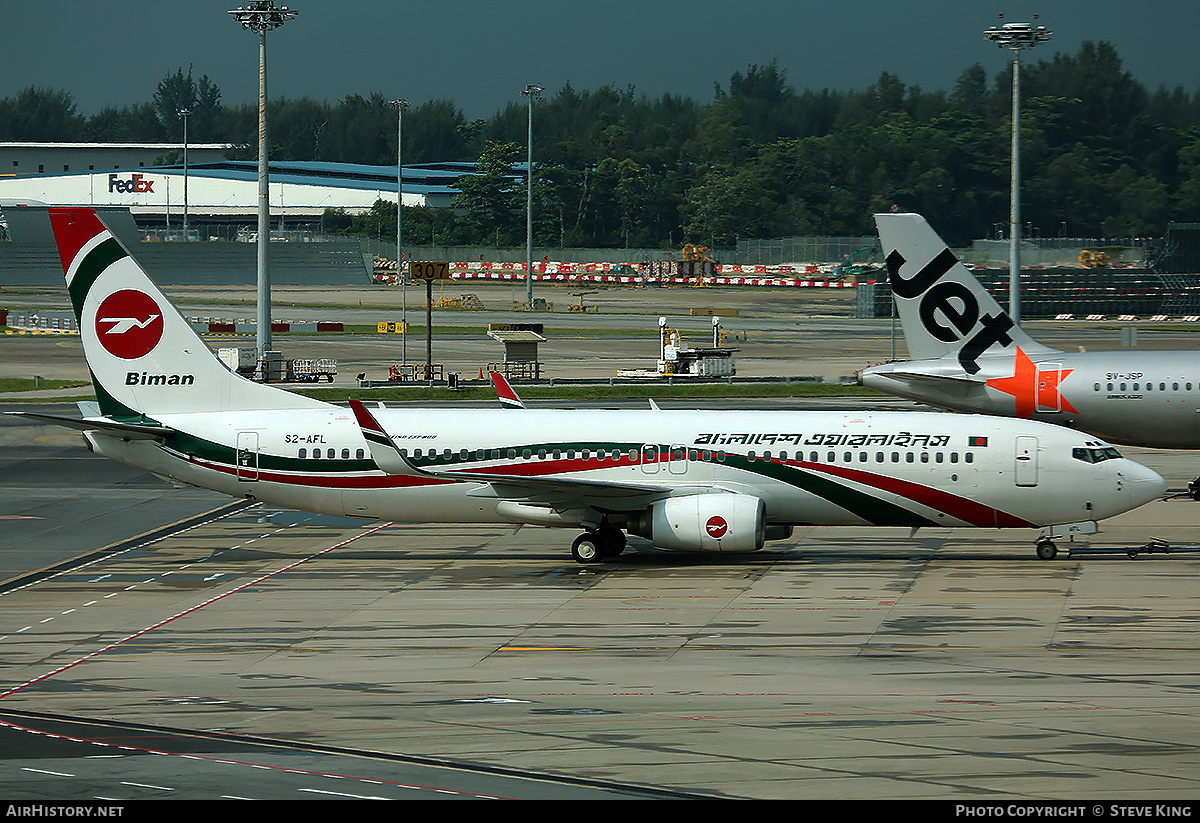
x=504 y=484
x=129 y=431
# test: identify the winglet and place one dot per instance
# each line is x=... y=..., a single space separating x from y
x=508 y=397
x=383 y=451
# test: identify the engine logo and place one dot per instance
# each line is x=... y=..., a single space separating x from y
x=716 y=527
x=129 y=324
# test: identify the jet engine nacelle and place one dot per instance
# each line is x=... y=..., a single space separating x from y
x=706 y=523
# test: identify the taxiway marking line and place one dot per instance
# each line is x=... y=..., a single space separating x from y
x=251 y=764
x=188 y=611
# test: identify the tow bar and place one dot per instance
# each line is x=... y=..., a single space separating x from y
x=1155 y=546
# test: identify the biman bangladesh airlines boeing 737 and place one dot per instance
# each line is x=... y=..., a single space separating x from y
x=968 y=355
x=686 y=480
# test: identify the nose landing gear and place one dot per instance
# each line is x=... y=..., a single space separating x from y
x=1046 y=550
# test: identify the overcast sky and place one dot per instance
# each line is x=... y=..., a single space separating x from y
x=481 y=53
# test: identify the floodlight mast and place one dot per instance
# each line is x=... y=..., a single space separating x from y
x=532 y=91
x=262 y=16
x=401 y=106
x=1017 y=37
x=184 y=113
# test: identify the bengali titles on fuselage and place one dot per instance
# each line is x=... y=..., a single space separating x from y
x=899 y=439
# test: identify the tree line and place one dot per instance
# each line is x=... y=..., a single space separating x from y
x=1102 y=155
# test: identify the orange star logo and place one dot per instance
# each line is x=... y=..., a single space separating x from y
x=1033 y=388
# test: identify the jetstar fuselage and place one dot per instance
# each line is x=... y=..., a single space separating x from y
x=1138 y=398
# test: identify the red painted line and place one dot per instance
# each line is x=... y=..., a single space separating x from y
x=227 y=761
x=186 y=612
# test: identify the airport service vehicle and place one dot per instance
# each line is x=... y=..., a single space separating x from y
x=687 y=480
x=968 y=355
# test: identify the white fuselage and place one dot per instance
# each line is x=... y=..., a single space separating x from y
x=821 y=468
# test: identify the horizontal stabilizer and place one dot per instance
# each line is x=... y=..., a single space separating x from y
x=932 y=379
x=130 y=431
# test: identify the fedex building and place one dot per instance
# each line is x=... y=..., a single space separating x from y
x=221 y=195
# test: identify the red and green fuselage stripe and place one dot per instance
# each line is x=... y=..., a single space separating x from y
x=828 y=482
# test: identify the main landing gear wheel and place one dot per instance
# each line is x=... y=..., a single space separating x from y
x=1046 y=549
x=586 y=549
x=594 y=547
x=612 y=541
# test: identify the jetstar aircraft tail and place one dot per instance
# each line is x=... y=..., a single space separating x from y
x=943 y=308
x=144 y=357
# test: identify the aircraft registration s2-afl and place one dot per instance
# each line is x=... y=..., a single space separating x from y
x=686 y=480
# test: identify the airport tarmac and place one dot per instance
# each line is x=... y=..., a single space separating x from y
x=842 y=663
x=255 y=652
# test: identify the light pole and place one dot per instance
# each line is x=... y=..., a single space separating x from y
x=261 y=16
x=184 y=114
x=1018 y=37
x=532 y=91
x=401 y=106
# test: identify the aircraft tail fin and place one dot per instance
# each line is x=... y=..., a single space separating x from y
x=943 y=308
x=508 y=397
x=144 y=356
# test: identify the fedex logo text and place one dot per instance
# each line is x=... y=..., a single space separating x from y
x=137 y=183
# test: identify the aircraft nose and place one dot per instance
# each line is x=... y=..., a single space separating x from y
x=1142 y=484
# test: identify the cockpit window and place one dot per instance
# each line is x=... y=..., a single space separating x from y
x=1096 y=455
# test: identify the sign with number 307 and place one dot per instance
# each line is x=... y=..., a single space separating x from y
x=429 y=270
